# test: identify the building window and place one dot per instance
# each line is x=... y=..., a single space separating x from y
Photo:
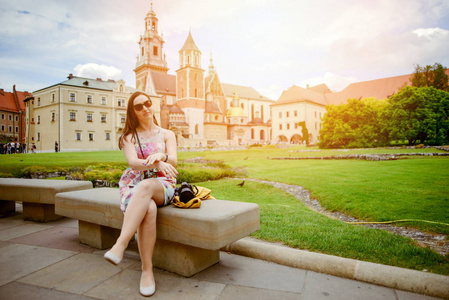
x=53 y=115
x=252 y=133
x=296 y=113
x=280 y=114
x=122 y=119
x=155 y=50
x=280 y=126
x=296 y=125
x=89 y=117
x=320 y=115
x=103 y=100
x=121 y=102
x=91 y=136
x=72 y=97
x=196 y=129
x=17 y=128
x=72 y=116
x=288 y=125
x=52 y=97
x=78 y=136
x=10 y=128
x=315 y=114
x=103 y=118
x=38 y=119
x=38 y=136
x=89 y=98
x=287 y=114
x=38 y=101
x=10 y=117
x=17 y=118
x=108 y=136
x=3 y=116
x=3 y=127
x=262 y=135
x=143 y=51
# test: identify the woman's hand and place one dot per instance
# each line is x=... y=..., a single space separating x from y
x=151 y=159
x=167 y=169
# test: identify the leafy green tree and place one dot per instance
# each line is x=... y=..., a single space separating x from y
x=304 y=131
x=352 y=125
x=418 y=115
x=428 y=76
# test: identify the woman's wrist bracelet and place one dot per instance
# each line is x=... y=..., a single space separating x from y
x=166 y=157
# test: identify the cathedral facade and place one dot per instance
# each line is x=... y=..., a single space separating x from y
x=195 y=105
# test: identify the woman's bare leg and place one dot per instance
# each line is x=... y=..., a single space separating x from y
x=147 y=191
x=146 y=234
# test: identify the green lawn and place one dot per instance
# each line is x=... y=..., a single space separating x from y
x=413 y=188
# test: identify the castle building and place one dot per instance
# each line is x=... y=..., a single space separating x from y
x=198 y=107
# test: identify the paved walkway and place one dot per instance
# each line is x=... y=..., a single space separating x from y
x=45 y=261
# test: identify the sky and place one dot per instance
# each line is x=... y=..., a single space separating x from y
x=269 y=45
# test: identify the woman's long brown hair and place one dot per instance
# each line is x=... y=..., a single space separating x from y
x=132 y=122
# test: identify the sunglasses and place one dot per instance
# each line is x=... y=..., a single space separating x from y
x=139 y=107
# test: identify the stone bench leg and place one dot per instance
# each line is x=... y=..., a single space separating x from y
x=182 y=259
x=97 y=236
x=7 y=207
x=39 y=212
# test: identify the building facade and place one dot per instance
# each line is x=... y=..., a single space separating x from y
x=79 y=114
x=195 y=105
x=13 y=115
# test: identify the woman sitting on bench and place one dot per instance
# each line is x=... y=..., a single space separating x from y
x=149 y=182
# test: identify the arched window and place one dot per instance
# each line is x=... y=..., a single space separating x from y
x=143 y=51
x=252 y=133
x=252 y=111
x=153 y=26
x=188 y=59
x=261 y=112
x=262 y=135
x=196 y=129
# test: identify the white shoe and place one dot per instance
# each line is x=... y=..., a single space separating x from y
x=148 y=291
x=110 y=257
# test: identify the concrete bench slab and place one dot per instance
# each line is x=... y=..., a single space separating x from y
x=36 y=195
x=188 y=240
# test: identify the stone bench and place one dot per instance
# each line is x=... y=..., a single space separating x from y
x=36 y=195
x=188 y=240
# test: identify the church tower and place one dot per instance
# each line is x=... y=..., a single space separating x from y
x=190 y=87
x=151 y=56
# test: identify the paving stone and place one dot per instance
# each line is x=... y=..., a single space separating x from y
x=238 y=270
x=21 y=230
x=21 y=291
x=18 y=260
x=76 y=274
x=55 y=237
x=232 y=292
x=321 y=286
x=125 y=285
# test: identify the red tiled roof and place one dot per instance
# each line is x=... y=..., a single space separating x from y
x=7 y=102
x=164 y=83
x=299 y=94
x=379 y=88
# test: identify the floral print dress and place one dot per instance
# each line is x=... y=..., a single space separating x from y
x=131 y=178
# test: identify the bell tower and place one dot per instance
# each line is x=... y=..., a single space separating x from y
x=190 y=87
x=151 y=56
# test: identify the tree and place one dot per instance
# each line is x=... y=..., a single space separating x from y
x=428 y=76
x=304 y=131
x=352 y=125
x=418 y=115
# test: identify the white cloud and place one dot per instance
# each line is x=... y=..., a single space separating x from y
x=93 y=70
x=334 y=82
